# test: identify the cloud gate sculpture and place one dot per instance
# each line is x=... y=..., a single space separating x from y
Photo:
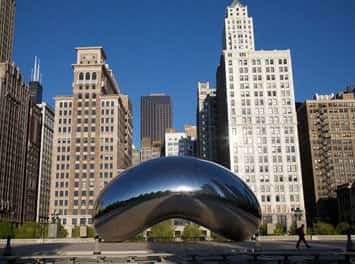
x=176 y=187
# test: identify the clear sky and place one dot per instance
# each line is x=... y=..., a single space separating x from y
x=167 y=46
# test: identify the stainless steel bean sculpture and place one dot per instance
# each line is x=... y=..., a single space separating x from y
x=176 y=187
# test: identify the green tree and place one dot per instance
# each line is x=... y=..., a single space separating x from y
x=263 y=229
x=191 y=232
x=322 y=228
x=280 y=229
x=163 y=231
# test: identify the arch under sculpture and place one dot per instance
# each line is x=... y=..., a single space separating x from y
x=176 y=187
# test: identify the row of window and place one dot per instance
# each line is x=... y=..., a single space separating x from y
x=87 y=76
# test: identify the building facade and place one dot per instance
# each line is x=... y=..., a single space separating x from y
x=7 y=21
x=90 y=134
x=181 y=143
x=156 y=116
x=33 y=152
x=45 y=164
x=14 y=105
x=327 y=142
x=257 y=122
x=206 y=121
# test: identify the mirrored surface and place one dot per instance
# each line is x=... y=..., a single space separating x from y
x=176 y=187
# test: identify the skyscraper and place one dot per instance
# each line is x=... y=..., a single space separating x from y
x=7 y=21
x=14 y=106
x=257 y=123
x=155 y=116
x=206 y=121
x=327 y=142
x=33 y=152
x=35 y=86
x=91 y=138
x=45 y=164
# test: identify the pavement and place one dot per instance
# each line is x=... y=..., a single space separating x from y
x=175 y=252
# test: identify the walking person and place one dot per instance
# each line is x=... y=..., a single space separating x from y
x=301 y=236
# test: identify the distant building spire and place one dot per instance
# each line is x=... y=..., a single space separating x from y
x=36 y=71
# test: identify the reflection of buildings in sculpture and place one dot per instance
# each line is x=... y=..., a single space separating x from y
x=136 y=156
x=206 y=121
x=7 y=20
x=181 y=143
x=150 y=149
x=257 y=122
x=14 y=106
x=44 y=179
x=327 y=141
x=92 y=138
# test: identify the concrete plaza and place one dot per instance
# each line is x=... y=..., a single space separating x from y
x=81 y=251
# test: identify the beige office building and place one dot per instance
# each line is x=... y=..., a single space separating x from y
x=92 y=138
x=327 y=144
x=45 y=164
x=14 y=105
x=7 y=21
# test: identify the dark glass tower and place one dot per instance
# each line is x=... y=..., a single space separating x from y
x=155 y=116
x=35 y=86
x=36 y=92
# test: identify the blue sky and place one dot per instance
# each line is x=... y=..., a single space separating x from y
x=167 y=46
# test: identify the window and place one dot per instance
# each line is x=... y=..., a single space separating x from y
x=87 y=76
x=94 y=76
x=81 y=76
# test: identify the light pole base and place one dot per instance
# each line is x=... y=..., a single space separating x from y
x=7 y=250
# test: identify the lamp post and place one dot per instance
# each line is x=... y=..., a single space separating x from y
x=298 y=215
x=7 y=250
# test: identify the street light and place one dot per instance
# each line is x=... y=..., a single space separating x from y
x=7 y=250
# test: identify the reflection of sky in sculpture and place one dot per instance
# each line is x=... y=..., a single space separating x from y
x=203 y=183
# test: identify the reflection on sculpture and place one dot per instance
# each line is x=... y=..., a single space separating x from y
x=176 y=187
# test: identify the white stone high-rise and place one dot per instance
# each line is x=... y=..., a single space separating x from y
x=257 y=122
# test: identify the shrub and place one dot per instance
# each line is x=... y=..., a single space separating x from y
x=343 y=228
x=217 y=237
x=163 y=231
x=75 y=233
x=280 y=229
x=29 y=230
x=322 y=228
x=6 y=230
x=138 y=238
x=191 y=232
x=263 y=229
x=91 y=231
x=62 y=232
